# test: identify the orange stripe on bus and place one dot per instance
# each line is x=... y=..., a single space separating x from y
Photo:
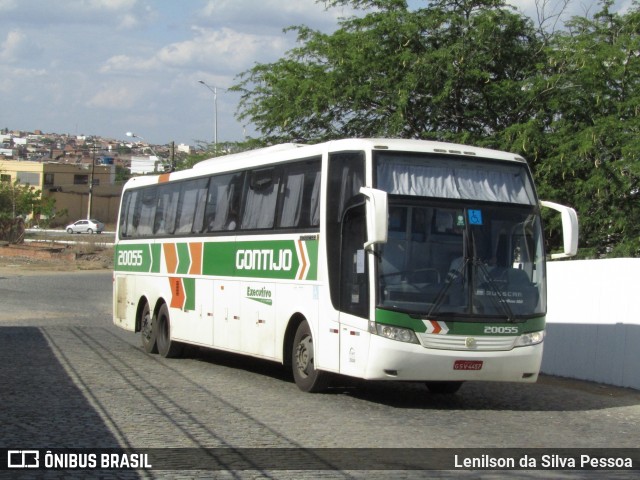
x=170 y=257
x=177 y=292
x=196 y=258
x=163 y=178
x=303 y=259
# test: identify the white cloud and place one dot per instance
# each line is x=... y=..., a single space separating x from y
x=112 y=97
x=17 y=45
x=128 y=21
x=224 y=50
x=64 y=64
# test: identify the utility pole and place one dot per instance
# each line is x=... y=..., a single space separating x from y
x=93 y=167
x=173 y=156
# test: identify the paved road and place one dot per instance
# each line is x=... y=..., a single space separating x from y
x=71 y=379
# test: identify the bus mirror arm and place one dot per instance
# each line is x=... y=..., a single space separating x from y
x=569 y=229
x=377 y=208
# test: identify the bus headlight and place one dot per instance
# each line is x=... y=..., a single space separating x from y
x=394 y=333
x=531 y=338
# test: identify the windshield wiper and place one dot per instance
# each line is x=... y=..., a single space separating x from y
x=500 y=298
x=451 y=277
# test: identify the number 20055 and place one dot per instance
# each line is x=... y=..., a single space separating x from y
x=500 y=330
x=130 y=258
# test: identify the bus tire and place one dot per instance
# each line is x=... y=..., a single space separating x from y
x=166 y=347
x=443 y=388
x=147 y=331
x=306 y=376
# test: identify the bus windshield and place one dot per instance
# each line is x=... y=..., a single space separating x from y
x=464 y=240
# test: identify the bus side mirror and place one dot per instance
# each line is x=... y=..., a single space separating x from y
x=569 y=229
x=377 y=216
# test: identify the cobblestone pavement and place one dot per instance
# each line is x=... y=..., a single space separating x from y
x=70 y=379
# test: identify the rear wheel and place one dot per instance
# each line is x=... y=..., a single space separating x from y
x=166 y=347
x=147 y=332
x=90 y=231
x=307 y=378
x=444 y=388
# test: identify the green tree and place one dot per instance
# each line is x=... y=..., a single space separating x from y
x=452 y=70
x=586 y=143
x=476 y=72
x=17 y=200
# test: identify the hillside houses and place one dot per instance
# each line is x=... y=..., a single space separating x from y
x=68 y=167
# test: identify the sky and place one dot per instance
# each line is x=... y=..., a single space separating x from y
x=107 y=67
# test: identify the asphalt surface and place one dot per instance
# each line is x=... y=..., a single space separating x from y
x=71 y=379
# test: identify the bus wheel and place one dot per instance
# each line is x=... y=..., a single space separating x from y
x=166 y=347
x=147 y=332
x=307 y=378
x=443 y=388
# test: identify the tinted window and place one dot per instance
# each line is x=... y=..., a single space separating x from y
x=223 y=202
x=261 y=199
x=193 y=194
x=168 y=195
x=300 y=192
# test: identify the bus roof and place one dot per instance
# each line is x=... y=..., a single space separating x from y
x=290 y=151
x=426 y=146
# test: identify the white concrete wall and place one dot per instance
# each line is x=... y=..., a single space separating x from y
x=593 y=321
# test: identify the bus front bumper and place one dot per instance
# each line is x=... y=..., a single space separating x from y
x=394 y=360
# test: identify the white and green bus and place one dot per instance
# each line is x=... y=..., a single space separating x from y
x=377 y=259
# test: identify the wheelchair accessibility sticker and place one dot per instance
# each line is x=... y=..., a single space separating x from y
x=475 y=217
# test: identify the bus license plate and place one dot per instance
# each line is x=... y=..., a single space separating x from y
x=467 y=365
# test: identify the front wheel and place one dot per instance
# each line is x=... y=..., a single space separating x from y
x=443 y=388
x=70 y=231
x=305 y=374
x=148 y=333
x=166 y=347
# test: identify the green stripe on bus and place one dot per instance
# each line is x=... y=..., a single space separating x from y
x=405 y=320
x=278 y=259
x=312 y=248
x=132 y=258
x=156 y=257
x=189 y=285
x=184 y=259
x=274 y=259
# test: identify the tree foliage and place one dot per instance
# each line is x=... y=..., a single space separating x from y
x=476 y=72
x=23 y=201
x=17 y=200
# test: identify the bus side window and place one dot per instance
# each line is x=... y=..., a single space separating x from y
x=165 y=221
x=147 y=211
x=223 y=200
x=300 y=196
x=192 y=192
x=131 y=215
x=260 y=199
x=126 y=199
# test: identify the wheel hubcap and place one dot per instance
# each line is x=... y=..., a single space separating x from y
x=146 y=327
x=304 y=356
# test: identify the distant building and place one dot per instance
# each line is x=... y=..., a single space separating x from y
x=69 y=185
x=141 y=165
x=188 y=149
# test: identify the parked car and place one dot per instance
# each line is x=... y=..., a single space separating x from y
x=86 y=226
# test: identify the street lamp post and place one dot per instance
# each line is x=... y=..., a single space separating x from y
x=214 y=90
